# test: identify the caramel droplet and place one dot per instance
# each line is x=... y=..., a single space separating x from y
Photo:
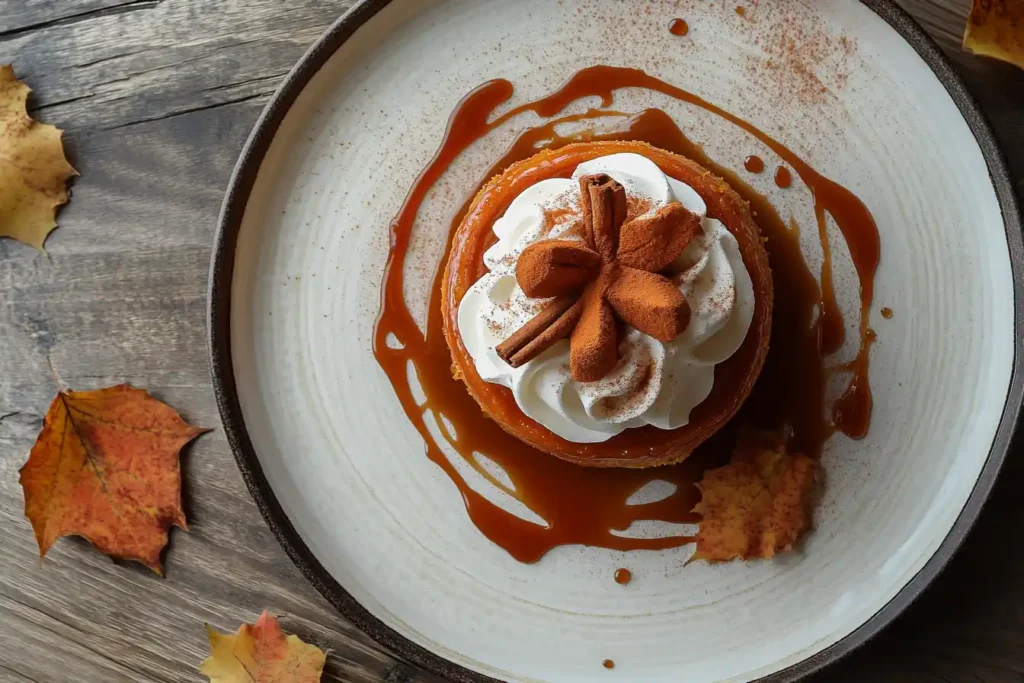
x=678 y=27
x=754 y=164
x=740 y=10
x=623 y=576
x=608 y=664
x=783 y=178
x=886 y=313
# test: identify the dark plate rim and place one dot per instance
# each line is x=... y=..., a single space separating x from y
x=218 y=321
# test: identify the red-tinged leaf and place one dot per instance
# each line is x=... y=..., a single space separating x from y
x=262 y=653
x=105 y=467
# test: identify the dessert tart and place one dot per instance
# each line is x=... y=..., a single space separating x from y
x=608 y=303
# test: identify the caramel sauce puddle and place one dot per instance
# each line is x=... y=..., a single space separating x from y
x=590 y=505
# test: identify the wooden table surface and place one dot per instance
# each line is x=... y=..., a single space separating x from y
x=157 y=97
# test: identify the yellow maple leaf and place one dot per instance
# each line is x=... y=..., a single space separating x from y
x=261 y=653
x=996 y=29
x=105 y=467
x=33 y=170
x=755 y=506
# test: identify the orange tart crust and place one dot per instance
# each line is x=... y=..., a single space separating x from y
x=643 y=446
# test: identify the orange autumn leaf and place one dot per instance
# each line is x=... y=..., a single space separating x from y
x=996 y=29
x=261 y=653
x=105 y=467
x=755 y=506
x=33 y=170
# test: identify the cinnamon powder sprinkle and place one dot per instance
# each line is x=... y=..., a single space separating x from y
x=636 y=205
x=632 y=397
x=802 y=61
x=556 y=215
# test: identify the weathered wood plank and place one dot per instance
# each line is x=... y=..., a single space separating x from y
x=109 y=69
x=157 y=97
x=22 y=16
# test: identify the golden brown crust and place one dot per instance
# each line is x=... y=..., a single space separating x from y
x=645 y=446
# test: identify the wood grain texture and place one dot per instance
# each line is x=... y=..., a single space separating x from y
x=157 y=97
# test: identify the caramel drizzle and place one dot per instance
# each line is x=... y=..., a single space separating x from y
x=587 y=505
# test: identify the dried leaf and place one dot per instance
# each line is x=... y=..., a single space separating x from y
x=261 y=653
x=755 y=506
x=33 y=170
x=996 y=29
x=105 y=467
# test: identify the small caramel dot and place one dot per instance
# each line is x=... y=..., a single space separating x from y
x=783 y=178
x=753 y=163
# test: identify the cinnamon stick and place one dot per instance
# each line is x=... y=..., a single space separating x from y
x=604 y=205
x=554 y=322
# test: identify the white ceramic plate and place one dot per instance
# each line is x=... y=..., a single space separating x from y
x=338 y=470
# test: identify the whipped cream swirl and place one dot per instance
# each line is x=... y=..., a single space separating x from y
x=653 y=383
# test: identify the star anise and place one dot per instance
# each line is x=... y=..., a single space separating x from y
x=615 y=272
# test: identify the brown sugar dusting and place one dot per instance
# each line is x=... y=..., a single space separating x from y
x=623 y=576
x=741 y=10
x=802 y=59
x=678 y=27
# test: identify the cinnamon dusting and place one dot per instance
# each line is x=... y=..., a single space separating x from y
x=636 y=206
x=802 y=60
x=631 y=400
x=555 y=216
